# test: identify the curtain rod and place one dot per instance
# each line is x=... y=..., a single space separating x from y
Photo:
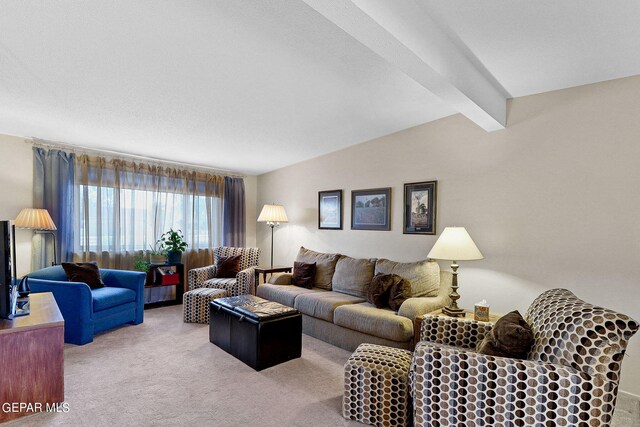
x=77 y=149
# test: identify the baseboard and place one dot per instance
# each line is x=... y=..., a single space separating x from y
x=629 y=395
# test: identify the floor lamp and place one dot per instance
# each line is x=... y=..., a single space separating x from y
x=40 y=221
x=273 y=215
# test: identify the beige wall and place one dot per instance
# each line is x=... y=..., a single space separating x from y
x=551 y=201
x=16 y=185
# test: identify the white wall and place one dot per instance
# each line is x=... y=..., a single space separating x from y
x=551 y=201
x=16 y=192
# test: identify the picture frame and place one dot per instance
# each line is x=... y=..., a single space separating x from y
x=330 y=210
x=371 y=209
x=420 y=207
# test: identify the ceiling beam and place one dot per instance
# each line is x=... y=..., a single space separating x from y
x=403 y=34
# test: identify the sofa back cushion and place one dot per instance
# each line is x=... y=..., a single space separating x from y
x=424 y=276
x=568 y=331
x=353 y=275
x=325 y=266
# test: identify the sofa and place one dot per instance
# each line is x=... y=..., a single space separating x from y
x=336 y=310
x=88 y=311
x=569 y=378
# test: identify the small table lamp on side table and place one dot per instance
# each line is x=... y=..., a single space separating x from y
x=455 y=244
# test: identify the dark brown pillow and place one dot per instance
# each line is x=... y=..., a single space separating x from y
x=84 y=272
x=227 y=267
x=303 y=274
x=399 y=293
x=511 y=336
x=378 y=292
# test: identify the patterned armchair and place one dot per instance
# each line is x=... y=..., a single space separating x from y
x=570 y=377
x=243 y=283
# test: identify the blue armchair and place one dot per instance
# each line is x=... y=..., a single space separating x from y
x=88 y=311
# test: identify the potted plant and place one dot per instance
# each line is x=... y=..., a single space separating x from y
x=140 y=263
x=175 y=245
x=157 y=253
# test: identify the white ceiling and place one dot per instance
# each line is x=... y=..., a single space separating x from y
x=253 y=86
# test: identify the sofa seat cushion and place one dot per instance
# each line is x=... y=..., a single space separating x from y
x=321 y=304
x=380 y=322
x=353 y=276
x=284 y=294
x=107 y=297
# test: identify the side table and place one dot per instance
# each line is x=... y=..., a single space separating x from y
x=468 y=315
x=269 y=270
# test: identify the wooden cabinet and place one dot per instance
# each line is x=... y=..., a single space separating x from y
x=161 y=289
x=32 y=359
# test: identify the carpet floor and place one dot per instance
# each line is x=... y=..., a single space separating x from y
x=167 y=373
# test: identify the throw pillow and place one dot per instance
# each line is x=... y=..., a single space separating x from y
x=227 y=267
x=511 y=336
x=303 y=274
x=399 y=293
x=84 y=272
x=325 y=266
x=378 y=292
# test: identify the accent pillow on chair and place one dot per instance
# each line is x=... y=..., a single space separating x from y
x=303 y=274
x=85 y=272
x=511 y=336
x=228 y=267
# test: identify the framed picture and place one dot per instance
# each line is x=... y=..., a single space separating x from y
x=371 y=209
x=420 y=207
x=330 y=210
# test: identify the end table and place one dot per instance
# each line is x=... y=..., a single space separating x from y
x=269 y=270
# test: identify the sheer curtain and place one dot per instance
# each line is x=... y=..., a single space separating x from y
x=122 y=207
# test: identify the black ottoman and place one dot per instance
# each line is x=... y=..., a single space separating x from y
x=261 y=333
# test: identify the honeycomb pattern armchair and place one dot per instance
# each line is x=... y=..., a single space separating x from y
x=570 y=377
x=243 y=283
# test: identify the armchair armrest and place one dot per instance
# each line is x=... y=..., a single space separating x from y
x=246 y=280
x=280 y=279
x=197 y=276
x=133 y=280
x=76 y=305
x=454 y=331
x=531 y=392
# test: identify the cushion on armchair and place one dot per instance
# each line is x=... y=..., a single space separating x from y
x=107 y=297
x=511 y=336
x=228 y=267
x=85 y=272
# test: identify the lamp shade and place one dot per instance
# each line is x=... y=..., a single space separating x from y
x=38 y=219
x=455 y=244
x=273 y=213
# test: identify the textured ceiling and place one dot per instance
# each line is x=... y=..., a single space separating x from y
x=253 y=86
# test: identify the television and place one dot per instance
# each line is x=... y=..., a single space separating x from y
x=7 y=268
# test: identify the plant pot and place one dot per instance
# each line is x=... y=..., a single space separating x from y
x=174 y=257
x=157 y=259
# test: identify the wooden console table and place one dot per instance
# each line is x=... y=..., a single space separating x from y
x=32 y=359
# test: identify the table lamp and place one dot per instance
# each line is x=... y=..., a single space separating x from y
x=455 y=244
x=273 y=215
x=39 y=220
